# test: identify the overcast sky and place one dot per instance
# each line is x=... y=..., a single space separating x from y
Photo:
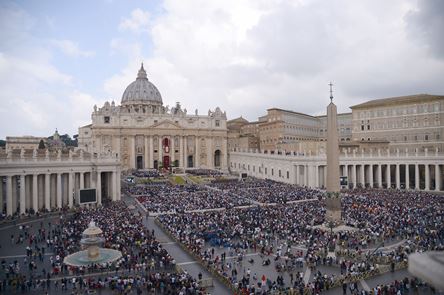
x=59 y=58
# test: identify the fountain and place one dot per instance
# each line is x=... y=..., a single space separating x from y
x=91 y=252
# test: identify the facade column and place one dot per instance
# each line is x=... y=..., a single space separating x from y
x=59 y=190
x=389 y=177
x=297 y=175
x=173 y=150
x=118 y=182
x=316 y=170
x=99 y=188
x=115 y=185
x=159 y=151
x=416 y=176
x=8 y=195
x=35 y=202
x=197 y=152
x=70 y=188
x=354 y=175
x=224 y=160
x=146 y=154
x=47 y=191
x=427 y=177
x=379 y=167
x=151 y=152
x=181 y=152
x=22 y=194
x=209 y=154
x=437 y=178
x=370 y=176
x=132 y=152
x=398 y=177
x=407 y=177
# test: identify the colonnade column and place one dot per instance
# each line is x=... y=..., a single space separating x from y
x=47 y=192
x=316 y=169
x=197 y=152
x=407 y=177
x=151 y=152
x=146 y=154
x=398 y=177
x=354 y=175
x=363 y=175
x=379 y=167
x=22 y=194
x=99 y=188
x=59 y=190
x=370 y=179
x=8 y=195
x=115 y=186
x=35 y=202
x=82 y=180
x=181 y=152
x=427 y=177
x=416 y=176
x=388 y=177
x=437 y=178
x=70 y=188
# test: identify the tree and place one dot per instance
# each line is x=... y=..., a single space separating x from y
x=41 y=145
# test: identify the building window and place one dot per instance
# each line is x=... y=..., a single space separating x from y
x=155 y=121
x=272 y=172
x=426 y=137
x=288 y=174
x=106 y=119
x=217 y=123
x=265 y=170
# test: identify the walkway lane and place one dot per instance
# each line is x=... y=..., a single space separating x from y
x=183 y=259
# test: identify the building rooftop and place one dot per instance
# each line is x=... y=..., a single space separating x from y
x=398 y=99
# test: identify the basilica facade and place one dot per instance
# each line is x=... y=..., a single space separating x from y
x=146 y=134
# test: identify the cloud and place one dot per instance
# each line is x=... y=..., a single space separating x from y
x=425 y=25
x=137 y=22
x=71 y=48
x=247 y=56
x=36 y=95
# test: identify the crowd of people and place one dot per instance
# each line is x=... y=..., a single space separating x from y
x=412 y=221
x=204 y=172
x=144 y=264
x=165 y=197
x=268 y=191
x=148 y=173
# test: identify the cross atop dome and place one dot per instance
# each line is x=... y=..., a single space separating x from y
x=142 y=73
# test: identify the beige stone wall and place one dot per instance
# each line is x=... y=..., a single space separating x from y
x=405 y=123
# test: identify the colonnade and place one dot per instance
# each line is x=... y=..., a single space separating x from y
x=21 y=193
x=397 y=176
x=417 y=171
x=30 y=183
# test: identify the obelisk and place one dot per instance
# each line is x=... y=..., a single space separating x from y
x=333 y=201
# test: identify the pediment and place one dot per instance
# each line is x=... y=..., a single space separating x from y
x=166 y=124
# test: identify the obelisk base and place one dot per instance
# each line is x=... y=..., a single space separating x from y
x=333 y=214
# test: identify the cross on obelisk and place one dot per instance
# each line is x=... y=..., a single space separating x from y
x=331 y=92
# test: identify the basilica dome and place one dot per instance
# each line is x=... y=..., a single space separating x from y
x=141 y=91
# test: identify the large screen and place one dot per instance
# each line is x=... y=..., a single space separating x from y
x=88 y=195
